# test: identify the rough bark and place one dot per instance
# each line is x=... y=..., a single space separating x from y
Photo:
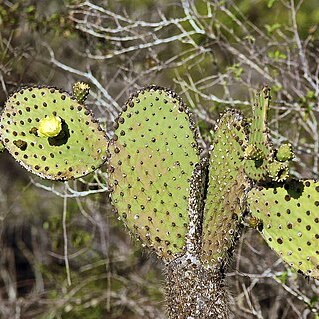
x=193 y=291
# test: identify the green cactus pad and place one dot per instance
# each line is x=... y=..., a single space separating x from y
x=80 y=91
x=290 y=218
x=153 y=156
x=77 y=150
x=278 y=171
x=285 y=153
x=256 y=168
x=226 y=190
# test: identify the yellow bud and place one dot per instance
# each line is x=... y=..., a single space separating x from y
x=50 y=126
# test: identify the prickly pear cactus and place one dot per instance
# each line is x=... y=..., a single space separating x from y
x=153 y=155
x=289 y=215
x=226 y=190
x=49 y=133
x=187 y=207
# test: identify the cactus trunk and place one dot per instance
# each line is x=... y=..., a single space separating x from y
x=193 y=291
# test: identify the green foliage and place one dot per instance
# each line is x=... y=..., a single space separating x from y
x=308 y=102
x=226 y=190
x=290 y=218
x=237 y=70
x=283 y=277
x=277 y=55
x=78 y=149
x=271 y=28
x=270 y=3
x=38 y=17
x=152 y=159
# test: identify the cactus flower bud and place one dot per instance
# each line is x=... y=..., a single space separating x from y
x=50 y=126
x=81 y=91
x=285 y=153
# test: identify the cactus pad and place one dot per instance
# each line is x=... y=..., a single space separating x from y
x=80 y=91
x=290 y=218
x=278 y=171
x=259 y=150
x=51 y=135
x=153 y=156
x=226 y=190
x=285 y=153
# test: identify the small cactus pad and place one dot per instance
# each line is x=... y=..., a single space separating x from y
x=226 y=190
x=278 y=171
x=51 y=135
x=153 y=156
x=259 y=150
x=80 y=91
x=290 y=219
x=285 y=153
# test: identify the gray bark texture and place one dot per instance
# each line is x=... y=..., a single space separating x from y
x=195 y=292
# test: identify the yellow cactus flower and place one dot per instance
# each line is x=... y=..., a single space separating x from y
x=50 y=126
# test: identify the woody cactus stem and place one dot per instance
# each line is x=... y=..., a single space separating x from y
x=193 y=291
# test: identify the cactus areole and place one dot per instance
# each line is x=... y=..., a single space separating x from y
x=186 y=204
